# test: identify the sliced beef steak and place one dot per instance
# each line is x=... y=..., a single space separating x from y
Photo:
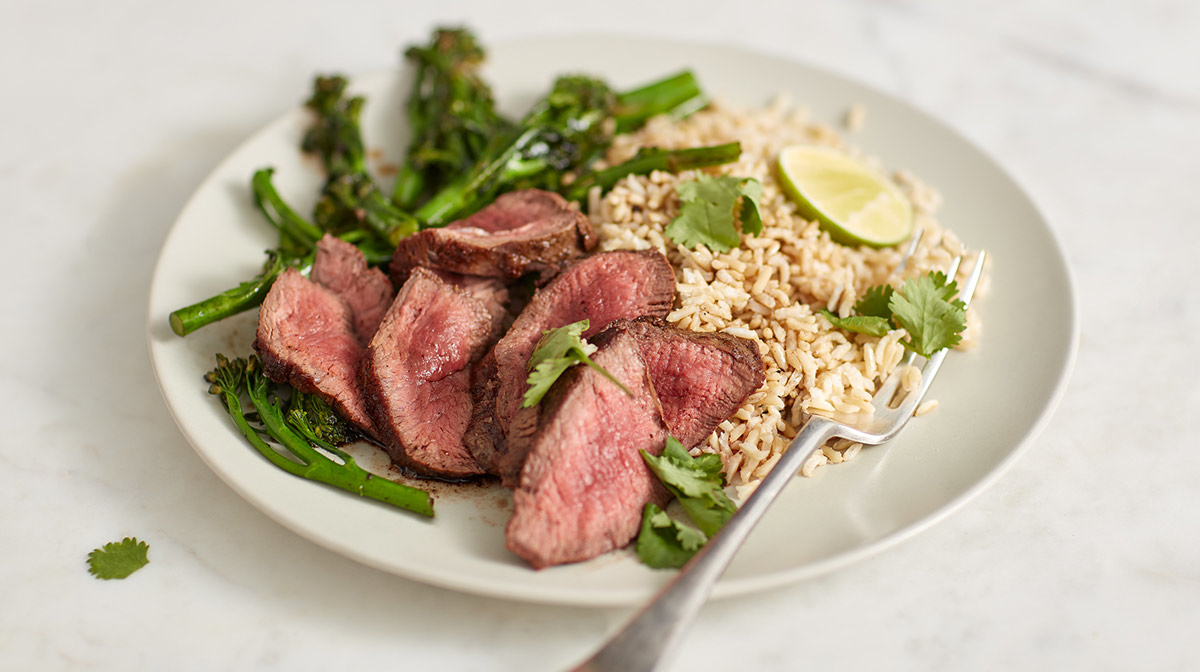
x=701 y=378
x=600 y=288
x=341 y=267
x=417 y=371
x=306 y=338
x=492 y=293
x=529 y=231
x=584 y=482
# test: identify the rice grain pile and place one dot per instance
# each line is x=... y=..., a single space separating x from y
x=771 y=287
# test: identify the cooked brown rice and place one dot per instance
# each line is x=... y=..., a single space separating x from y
x=770 y=288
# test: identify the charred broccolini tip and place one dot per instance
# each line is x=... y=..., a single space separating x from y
x=350 y=200
x=451 y=116
x=335 y=136
x=306 y=429
x=462 y=155
x=317 y=420
x=563 y=130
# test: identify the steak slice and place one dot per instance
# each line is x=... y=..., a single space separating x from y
x=701 y=378
x=529 y=231
x=584 y=483
x=600 y=288
x=417 y=372
x=306 y=338
x=341 y=267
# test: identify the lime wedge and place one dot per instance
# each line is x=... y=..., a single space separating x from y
x=855 y=203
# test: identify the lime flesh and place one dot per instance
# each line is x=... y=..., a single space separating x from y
x=855 y=203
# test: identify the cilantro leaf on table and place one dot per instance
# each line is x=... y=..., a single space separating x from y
x=558 y=350
x=697 y=482
x=666 y=543
x=710 y=209
x=117 y=560
x=926 y=308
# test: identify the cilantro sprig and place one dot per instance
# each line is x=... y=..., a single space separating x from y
x=666 y=543
x=117 y=560
x=710 y=209
x=698 y=483
x=924 y=307
x=558 y=350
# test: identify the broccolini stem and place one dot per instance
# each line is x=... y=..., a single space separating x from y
x=463 y=195
x=649 y=159
x=359 y=195
x=228 y=380
x=451 y=116
x=290 y=225
x=245 y=296
x=348 y=476
x=676 y=96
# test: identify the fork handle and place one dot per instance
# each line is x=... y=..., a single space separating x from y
x=650 y=636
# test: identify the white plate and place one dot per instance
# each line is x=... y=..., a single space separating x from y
x=993 y=400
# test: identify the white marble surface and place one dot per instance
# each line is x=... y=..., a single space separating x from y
x=1084 y=556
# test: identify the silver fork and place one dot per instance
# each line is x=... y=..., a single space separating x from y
x=651 y=635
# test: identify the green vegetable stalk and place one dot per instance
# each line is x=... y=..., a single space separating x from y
x=564 y=132
x=462 y=155
x=451 y=114
x=676 y=96
x=650 y=159
x=351 y=207
x=304 y=426
x=245 y=296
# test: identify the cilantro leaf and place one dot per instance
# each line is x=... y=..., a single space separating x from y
x=871 y=325
x=665 y=543
x=558 y=350
x=697 y=482
x=118 y=560
x=875 y=302
x=925 y=308
x=709 y=209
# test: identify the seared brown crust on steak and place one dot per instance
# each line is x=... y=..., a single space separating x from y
x=416 y=374
x=701 y=378
x=528 y=231
x=342 y=268
x=584 y=482
x=600 y=288
x=306 y=338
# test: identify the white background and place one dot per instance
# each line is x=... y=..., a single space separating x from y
x=1084 y=556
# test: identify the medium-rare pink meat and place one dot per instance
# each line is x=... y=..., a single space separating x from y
x=529 y=231
x=701 y=378
x=566 y=506
x=341 y=267
x=417 y=371
x=600 y=288
x=306 y=338
x=584 y=482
